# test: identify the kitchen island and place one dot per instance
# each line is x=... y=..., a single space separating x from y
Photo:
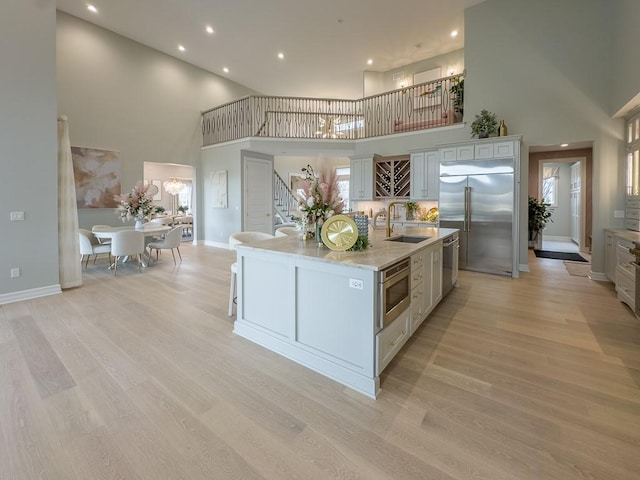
x=324 y=308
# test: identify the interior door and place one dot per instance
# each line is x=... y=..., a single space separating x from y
x=257 y=193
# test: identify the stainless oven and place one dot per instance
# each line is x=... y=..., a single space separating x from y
x=395 y=291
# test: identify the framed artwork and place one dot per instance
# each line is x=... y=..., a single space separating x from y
x=219 y=188
x=426 y=76
x=158 y=196
x=98 y=177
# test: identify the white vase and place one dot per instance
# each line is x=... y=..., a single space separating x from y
x=139 y=224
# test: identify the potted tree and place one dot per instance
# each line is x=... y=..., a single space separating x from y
x=539 y=216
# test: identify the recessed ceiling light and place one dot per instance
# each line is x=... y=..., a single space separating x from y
x=209 y=29
x=370 y=61
x=181 y=48
x=564 y=145
x=92 y=8
x=280 y=55
x=454 y=33
x=225 y=70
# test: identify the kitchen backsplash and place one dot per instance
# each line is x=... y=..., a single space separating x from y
x=400 y=214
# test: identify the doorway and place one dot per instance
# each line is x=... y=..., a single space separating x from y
x=182 y=202
x=560 y=187
x=563 y=178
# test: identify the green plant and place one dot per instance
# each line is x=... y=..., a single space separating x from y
x=160 y=209
x=183 y=209
x=362 y=243
x=485 y=124
x=457 y=92
x=539 y=216
x=412 y=208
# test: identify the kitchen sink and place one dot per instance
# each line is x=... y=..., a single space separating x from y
x=407 y=239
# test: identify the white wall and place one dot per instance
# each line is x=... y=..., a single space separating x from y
x=625 y=78
x=542 y=66
x=453 y=60
x=121 y=95
x=28 y=147
x=219 y=223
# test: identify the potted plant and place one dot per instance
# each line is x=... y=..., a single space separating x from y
x=539 y=216
x=484 y=125
x=183 y=209
x=412 y=208
x=457 y=98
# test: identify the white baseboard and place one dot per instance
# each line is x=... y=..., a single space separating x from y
x=598 y=276
x=556 y=238
x=29 y=294
x=214 y=244
x=524 y=267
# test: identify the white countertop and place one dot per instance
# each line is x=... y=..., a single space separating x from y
x=380 y=254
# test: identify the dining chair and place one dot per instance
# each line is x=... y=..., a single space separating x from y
x=186 y=221
x=89 y=245
x=172 y=240
x=287 y=231
x=97 y=228
x=127 y=243
x=236 y=239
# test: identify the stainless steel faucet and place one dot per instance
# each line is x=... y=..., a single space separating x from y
x=390 y=209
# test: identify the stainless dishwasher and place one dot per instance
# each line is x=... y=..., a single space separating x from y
x=450 y=249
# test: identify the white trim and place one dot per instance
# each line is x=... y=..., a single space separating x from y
x=524 y=267
x=30 y=294
x=599 y=277
x=209 y=243
x=557 y=238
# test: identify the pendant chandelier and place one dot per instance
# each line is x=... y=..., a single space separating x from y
x=328 y=127
x=174 y=186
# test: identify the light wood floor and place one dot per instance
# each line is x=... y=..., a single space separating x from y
x=141 y=377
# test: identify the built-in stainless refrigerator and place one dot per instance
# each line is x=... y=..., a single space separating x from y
x=477 y=197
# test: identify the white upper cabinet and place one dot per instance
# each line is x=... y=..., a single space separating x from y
x=425 y=173
x=361 y=178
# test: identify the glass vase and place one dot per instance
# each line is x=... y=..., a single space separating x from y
x=139 y=224
x=318 y=235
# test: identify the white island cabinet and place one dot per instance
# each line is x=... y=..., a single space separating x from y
x=320 y=307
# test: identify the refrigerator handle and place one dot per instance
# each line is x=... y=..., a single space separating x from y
x=467 y=208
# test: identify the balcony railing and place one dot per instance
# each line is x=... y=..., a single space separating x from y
x=419 y=107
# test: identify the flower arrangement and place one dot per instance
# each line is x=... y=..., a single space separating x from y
x=137 y=203
x=321 y=198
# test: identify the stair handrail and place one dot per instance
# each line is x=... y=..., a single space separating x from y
x=284 y=199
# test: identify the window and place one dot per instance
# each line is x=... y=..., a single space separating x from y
x=550 y=185
x=633 y=156
x=184 y=197
x=343 y=174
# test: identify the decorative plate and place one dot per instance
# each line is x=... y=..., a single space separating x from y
x=432 y=215
x=339 y=232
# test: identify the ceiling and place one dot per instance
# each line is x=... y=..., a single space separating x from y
x=326 y=44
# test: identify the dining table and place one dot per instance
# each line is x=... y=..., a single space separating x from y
x=149 y=231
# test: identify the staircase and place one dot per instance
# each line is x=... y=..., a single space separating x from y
x=284 y=201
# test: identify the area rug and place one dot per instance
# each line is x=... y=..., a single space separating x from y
x=574 y=257
x=578 y=269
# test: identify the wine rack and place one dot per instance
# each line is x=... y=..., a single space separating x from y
x=393 y=177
